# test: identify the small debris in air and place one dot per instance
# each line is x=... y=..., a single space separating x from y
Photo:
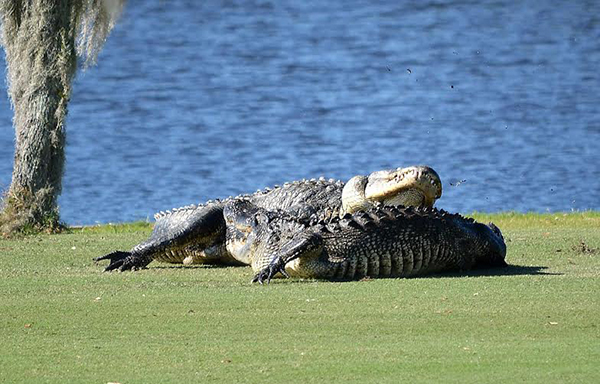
x=458 y=183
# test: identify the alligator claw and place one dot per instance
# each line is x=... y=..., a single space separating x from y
x=276 y=265
x=118 y=260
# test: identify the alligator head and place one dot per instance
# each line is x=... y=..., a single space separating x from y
x=410 y=186
x=240 y=218
x=247 y=224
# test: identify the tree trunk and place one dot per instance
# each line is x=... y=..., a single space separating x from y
x=39 y=40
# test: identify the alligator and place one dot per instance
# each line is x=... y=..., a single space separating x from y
x=384 y=241
x=196 y=234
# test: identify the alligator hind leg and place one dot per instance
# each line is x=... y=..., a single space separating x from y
x=117 y=259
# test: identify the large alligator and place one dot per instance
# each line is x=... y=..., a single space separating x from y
x=381 y=242
x=196 y=234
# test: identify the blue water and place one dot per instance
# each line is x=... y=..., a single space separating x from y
x=195 y=100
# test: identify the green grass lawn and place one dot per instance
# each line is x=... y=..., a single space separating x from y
x=63 y=320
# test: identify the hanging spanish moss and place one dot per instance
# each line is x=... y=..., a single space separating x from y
x=42 y=40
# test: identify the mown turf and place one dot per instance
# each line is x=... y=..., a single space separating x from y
x=63 y=320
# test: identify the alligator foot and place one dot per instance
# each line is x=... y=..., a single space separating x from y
x=276 y=265
x=118 y=260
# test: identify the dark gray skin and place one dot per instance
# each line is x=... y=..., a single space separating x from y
x=196 y=234
x=380 y=242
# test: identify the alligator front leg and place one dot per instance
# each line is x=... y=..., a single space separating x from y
x=173 y=233
x=116 y=258
x=277 y=265
x=123 y=261
x=304 y=245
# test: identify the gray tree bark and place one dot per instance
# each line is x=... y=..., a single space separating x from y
x=40 y=41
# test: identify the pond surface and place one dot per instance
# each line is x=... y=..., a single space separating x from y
x=197 y=100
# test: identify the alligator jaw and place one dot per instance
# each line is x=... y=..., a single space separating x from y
x=411 y=186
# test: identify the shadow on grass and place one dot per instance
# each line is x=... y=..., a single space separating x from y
x=510 y=270
x=197 y=266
